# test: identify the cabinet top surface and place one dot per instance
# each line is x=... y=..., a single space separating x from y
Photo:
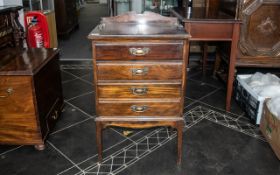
x=203 y=14
x=132 y=25
x=24 y=62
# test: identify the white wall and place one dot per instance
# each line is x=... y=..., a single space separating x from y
x=137 y=6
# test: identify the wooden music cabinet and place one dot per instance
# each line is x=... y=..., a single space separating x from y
x=139 y=73
x=30 y=95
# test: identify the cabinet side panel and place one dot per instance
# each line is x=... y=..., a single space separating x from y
x=48 y=90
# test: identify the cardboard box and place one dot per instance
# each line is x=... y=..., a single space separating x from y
x=270 y=128
x=249 y=101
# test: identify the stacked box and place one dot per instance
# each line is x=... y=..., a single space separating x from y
x=249 y=101
x=270 y=127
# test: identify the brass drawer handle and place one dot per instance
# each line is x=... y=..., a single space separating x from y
x=139 y=51
x=140 y=71
x=135 y=108
x=55 y=116
x=139 y=91
x=9 y=92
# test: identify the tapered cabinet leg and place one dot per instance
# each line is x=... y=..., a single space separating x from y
x=179 y=127
x=99 y=140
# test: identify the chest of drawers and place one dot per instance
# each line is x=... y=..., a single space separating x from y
x=30 y=95
x=139 y=73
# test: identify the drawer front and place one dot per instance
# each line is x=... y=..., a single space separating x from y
x=16 y=95
x=197 y=31
x=139 y=91
x=139 y=109
x=139 y=71
x=142 y=51
x=19 y=129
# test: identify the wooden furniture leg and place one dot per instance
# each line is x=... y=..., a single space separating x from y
x=231 y=72
x=205 y=57
x=217 y=63
x=99 y=140
x=40 y=147
x=179 y=127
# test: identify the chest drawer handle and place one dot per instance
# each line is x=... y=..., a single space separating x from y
x=55 y=115
x=140 y=71
x=135 y=108
x=139 y=51
x=139 y=91
x=9 y=92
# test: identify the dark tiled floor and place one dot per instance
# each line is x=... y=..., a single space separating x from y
x=215 y=142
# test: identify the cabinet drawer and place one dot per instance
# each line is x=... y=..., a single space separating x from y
x=124 y=109
x=19 y=128
x=16 y=95
x=139 y=91
x=139 y=71
x=139 y=51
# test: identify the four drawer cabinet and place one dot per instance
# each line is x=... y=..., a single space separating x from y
x=139 y=73
x=30 y=96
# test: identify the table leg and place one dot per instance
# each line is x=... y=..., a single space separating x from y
x=231 y=72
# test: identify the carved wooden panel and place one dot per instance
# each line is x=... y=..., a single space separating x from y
x=260 y=32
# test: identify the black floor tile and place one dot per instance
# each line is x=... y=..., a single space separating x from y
x=69 y=116
x=78 y=142
x=27 y=160
x=188 y=102
x=65 y=76
x=7 y=148
x=216 y=109
x=218 y=100
x=196 y=90
x=193 y=69
x=75 y=88
x=113 y=149
x=208 y=79
x=85 y=102
x=88 y=77
x=191 y=106
x=210 y=149
x=78 y=72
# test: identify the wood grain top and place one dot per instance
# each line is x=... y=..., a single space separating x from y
x=131 y=25
x=203 y=14
x=24 y=62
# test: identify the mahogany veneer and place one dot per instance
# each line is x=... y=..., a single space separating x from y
x=139 y=73
x=30 y=95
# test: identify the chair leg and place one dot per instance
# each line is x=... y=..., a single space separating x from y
x=205 y=57
x=217 y=62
